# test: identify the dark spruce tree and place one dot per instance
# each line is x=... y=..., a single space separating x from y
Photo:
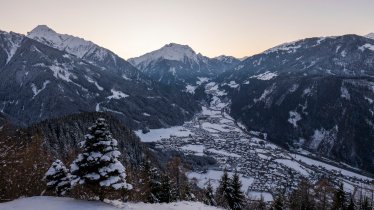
x=155 y=186
x=165 y=191
x=209 y=196
x=365 y=205
x=351 y=205
x=98 y=167
x=339 y=200
x=223 y=190
x=236 y=196
x=58 y=178
x=278 y=204
x=302 y=198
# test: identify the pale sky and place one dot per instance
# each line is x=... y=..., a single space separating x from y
x=211 y=27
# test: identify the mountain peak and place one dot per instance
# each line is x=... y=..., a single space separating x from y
x=41 y=29
x=370 y=36
x=171 y=51
x=71 y=44
x=178 y=47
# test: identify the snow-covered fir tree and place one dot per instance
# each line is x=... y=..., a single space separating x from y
x=58 y=178
x=98 y=165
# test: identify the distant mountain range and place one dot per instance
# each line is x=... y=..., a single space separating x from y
x=46 y=74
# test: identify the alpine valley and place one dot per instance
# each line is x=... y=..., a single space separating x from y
x=299 y=111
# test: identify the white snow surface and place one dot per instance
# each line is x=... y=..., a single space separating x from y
x=294 y=118
x=35 y=89
x=310 y=161
x=117 y=94
x=158 y=134
x=202 y=80
x=224 y=153
x=61 y=71
x=233 y=84
x=254 y=195
x=366 y=46
x=190 y=89
x=90 y=80
x=294 y=165
x=197 y=149
x=265 y=76
x=344 y=93
x=289 y=47
x=63 y=203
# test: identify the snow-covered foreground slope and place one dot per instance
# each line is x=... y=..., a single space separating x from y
x=56 y=203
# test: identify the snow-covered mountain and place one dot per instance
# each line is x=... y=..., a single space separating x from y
x=71 y=44
x=172 y=51
x=181 y=65
x=316 y=93
x=83 y=49
x=40 y=80
x=370 y=36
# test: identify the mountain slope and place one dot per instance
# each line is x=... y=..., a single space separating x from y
x=40 y=82
x=180 y=65
x=314 y=93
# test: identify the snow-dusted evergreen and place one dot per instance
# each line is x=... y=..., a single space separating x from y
x=98 y=165
x=58 y=178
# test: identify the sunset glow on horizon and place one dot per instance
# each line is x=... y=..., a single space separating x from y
x=212 y=27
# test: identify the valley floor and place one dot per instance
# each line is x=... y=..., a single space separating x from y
x=60 y=203
x=265 y=168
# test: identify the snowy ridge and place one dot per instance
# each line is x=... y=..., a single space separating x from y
x=71 y=44
x=289 y=47
x=172 y=51
x=225 y=58
x=370 y=36
x=14 y=41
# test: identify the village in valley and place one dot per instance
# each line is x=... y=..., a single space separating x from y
x=266 y=170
